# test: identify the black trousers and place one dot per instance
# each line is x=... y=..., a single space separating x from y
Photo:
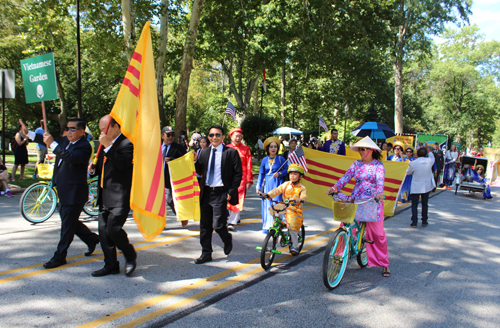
x=213 y=216
x=71 y=226
x=169 y=198
x=414 y=206
x=112 y=235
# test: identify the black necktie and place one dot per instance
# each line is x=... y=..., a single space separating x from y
x=212 y=168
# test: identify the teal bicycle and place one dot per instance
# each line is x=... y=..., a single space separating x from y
x=39 y=201
x=347 y=242
x=277 y=236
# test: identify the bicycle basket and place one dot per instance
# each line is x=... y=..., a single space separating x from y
x=344 y=212
x=45 y=170
x=367 y=212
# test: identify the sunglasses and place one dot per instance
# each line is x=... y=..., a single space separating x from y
x=398 y=148
x=217 y=135
x=409 y=151
x=71 y=128
x=273 y=146
x=363 y=149
x=170 y=135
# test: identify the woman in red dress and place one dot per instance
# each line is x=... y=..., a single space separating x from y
x=236 y=136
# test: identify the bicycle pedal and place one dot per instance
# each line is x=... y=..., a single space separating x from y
x=275 y=251
x=259 y=248
x=370 y=241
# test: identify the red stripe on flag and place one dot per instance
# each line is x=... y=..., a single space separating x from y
x=186 y=179
x=328 y=176
x=135 y=91
x=326 y=167
x=137 y=56
x=155 y=183
x=134 y=71
x=162 y=206
x=196 y=193
x=398 y=182
x=327 y=184
x=184 y=188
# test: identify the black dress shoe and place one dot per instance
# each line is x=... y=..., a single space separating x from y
x=54 y=263
x=130 y=267
x=229 y=246
x=92 y=248
x=203 y=258
x=425 y=224
x=105 y=271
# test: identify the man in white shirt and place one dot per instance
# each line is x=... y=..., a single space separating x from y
x=421 y=184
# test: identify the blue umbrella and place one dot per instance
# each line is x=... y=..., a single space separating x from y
x=286 y=130
x=374 y=130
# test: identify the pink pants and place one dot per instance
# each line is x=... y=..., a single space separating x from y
x=377 y=253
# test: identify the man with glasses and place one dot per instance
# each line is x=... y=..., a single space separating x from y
x=221 y=171
x=170 y=150
x=334 y=145
x=70 y=177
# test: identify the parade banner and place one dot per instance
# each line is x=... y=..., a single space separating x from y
x=185 y=188
x=136 y=110
x=406 y=140
x=326 y=169
x=439 y=139
x=352 y=153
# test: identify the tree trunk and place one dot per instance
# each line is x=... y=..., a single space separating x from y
x=398 y=95
x=160 y=61
x=128 y=26
x=283 y=87
x=61 y=117
x=256 y=98
x=187 y=66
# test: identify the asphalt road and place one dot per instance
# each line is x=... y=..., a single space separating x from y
x=444 y=275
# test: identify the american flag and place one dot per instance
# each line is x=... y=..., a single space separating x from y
x=231 y=110
x=323 y=124
x=297 y=157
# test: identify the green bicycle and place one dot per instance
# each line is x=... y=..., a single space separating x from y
x=348 y=241
x=39 y=201
x=276 y=235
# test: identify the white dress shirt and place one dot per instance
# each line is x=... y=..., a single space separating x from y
x=421 y=169
x=217 y=181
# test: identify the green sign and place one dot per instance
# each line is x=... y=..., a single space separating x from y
x=439 y=140
x=39 y=77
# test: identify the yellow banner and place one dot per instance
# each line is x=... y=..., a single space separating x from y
x=136 y=110
x=185 y=188
x=406 y=140
x=326 y=169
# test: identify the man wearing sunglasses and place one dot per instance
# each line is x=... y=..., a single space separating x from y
x=70 y=177
x=221 y=171
x=170 y=150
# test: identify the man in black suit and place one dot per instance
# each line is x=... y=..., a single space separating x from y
x=114 y=169
x=171 y=150
x=439 y=156
x=70 y=177
x=220 y=168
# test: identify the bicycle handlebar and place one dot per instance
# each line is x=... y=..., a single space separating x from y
x=274 y=202
x=365 y=201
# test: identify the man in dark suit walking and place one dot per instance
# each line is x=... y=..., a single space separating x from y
x=171 y=150
x=220 y=168
x=70 y=177
x=114 y=169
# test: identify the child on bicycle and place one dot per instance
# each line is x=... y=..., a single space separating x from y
x=292 y=190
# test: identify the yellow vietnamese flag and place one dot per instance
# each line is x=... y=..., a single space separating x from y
x=325 y=169
x=185 y=188
x=136 y=110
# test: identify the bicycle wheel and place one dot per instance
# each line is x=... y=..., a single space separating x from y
x=302 y=238
x=335 y=259
x=38 y=202
x=266 y=254
x=361 y=246
x=91 y=208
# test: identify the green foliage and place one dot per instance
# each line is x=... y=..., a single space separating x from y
x=253 y=125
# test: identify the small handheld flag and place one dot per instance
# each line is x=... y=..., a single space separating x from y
x=231 y=110
x=322 y=123
x=298 y=157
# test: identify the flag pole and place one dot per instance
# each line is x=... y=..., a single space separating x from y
x=44 y=117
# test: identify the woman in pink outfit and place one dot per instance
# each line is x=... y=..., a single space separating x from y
x=369 y=176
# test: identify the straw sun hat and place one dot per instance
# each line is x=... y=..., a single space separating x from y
x=366 y=142
x=271 y=139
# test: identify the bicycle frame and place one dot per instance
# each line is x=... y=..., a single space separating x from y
x=354 y=239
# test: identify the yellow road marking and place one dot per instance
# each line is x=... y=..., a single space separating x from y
x=189 y=287
x=93 y=259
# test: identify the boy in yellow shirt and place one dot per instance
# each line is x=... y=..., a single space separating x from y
x=293 y=190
